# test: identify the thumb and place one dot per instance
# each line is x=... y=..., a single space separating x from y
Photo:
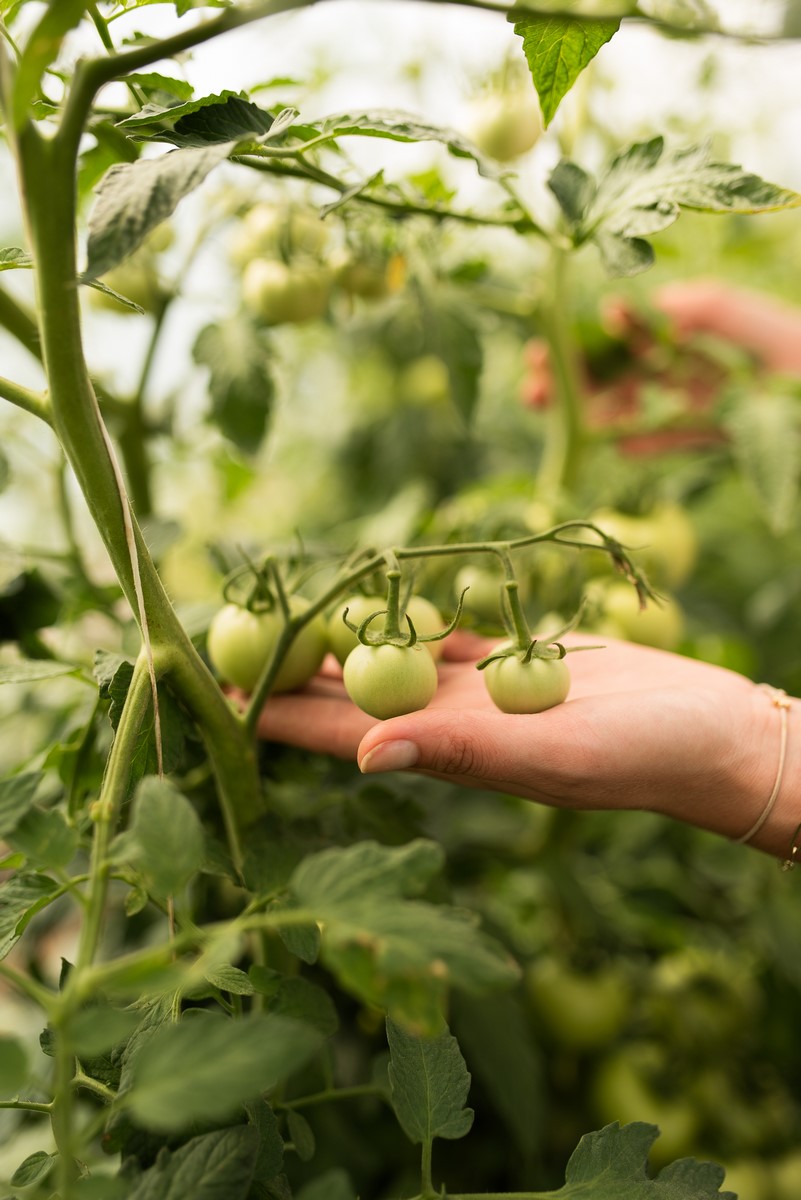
x=475 y=748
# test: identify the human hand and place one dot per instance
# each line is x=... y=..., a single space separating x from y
x=641 y=729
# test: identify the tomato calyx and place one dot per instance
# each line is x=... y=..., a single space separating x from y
x=394 y=614
x=537 y=648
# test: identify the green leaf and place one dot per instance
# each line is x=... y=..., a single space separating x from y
x=16 y=798
x=230 y=979
x=133 y=198
x=41 y=49
x=301 y=940
x=611 y=1164
x=13 y=257
x=28 y=602
x=98 y=1027
x=270 y=1158
x=166 y=840
x=429 y=1082
x=13 y=1066
x=153 y=81
x=168 y=114
x=207 y=1066
x=21 y=898
x=238 y=353
x=34 y=1169
x=215 y=1166
x=557 y=50
x=574 y=190
x=107 y=291
x=331 y=1185
x=766 y=443
x=296 y=997
x=45 y=838
x=645 y=189
x=114 y=674
x=405 y=127
x=395 y=953
x=302 y=1136
x=31 y=670
x=235 y=120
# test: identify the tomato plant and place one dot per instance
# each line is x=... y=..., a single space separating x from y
x=211 y=947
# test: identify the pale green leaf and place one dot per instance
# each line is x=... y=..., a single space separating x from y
x=766 y=442
x=557 y=50
x=405 y=127
x=45 y=838
x=301 y=1135
x=165 y=842
x=429 y=1082
x=230 y=979
x=16 y=798
x=21 y=897
x=12 y=257
x=14 y=1065
x=31 y=670
x=34 y=1169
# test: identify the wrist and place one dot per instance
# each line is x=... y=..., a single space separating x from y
x=774 y=800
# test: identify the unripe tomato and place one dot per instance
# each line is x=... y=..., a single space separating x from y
x=584 y=1010
x=425 y=382
x=277 y=293
x=505 y=125
x=515 y=686
x=484 y=594
x=425 y=618
x=359 y=277
x=388 y=681
x=659 y=624
x=240 y=642
x=277 y=231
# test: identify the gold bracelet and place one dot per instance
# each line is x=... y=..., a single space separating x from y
x=782 y=701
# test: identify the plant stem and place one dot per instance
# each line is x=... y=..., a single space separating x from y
x=28 y=986
x=347 y=1093
x=426 y=1182
x=565 y=437
x=32 y=402
x=20 y=324
x=28 y=1106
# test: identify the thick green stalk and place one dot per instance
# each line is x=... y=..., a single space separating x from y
x=565 y=435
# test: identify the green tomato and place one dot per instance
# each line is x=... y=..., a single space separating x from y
x=240 y=642
x=425 y=618
x=360 y=277
x=425 y=382
x=584 y=1010
x=484 y=594
x=505 y=125
x=388 y=681
x=515 y=686
x=275 y=231
x=660 y=623
x=277 y=293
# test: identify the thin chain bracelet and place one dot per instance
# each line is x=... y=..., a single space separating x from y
x=781 y=701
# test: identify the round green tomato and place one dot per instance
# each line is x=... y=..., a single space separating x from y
x=425 y=382
x=659 y=624
x=483 y=597
x=519 y=687
x=269 y=230
x=425 y=618
x=278 y=293
x=585 y=1010
x=240 y=642
x=360 y=277
x=388 y=681
x=505 y=125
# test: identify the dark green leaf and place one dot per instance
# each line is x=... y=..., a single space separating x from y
x=13 y=1066
x=215 y=1166
x=207 y=1066
x=557 y=50
x=28 y=602
x=168 y=114
x=429 y=1082
x=238 y=353
x=574 y=189
x=301 y=940
x=270 y=1158
x=16 y=798
x=296 y=997
x=99 y=1027
x=133 y=198
x=107 y=291
x=34 y=1169
x=343 y=876
x=235 y=120
x=21 y=897
x=45 y=838
x=766 y=442
x=611 y=1164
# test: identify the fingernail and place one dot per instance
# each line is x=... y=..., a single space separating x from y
x=390 y=756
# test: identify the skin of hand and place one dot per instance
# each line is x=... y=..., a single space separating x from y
x=641 y=729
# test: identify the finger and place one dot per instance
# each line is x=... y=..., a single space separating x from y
x=319 y=719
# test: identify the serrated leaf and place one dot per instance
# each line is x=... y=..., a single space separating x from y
x=207 y=1066
x=154 y=81
x=557 y=50
x=429 y=1083
x=612 y=1164
x=21 y=897
x=766 y=442
x=214 y=1166
x=165 y=841
x=34 y=1169
x=12 y=257
x=340 y=876
x=133 y=198
x=114 y=674
x=238 y=354
x=406 y=127
x=645 y=188
x=16 y=798
x=31 y=670
x=168 y=114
